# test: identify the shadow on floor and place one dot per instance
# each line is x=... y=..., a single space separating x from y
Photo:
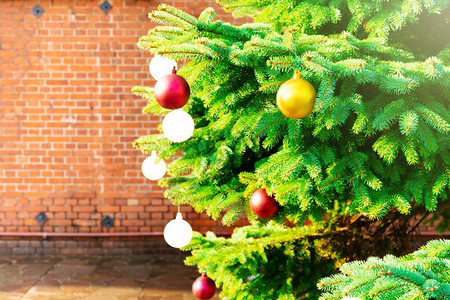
x=56 y=277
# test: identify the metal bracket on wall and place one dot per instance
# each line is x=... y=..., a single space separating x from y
x=106 y=7
x=41 y=218
x=108 y=222
x=37 y=10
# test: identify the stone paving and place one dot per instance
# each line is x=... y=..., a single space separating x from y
x=56 y=277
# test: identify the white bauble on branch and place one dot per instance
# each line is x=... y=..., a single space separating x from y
x=153 y=167
x=178 y=126
x=160 y=66
x=178 y=232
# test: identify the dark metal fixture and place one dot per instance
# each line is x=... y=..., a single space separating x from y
x=108 y=222
x=106 y=7
x=37 y=10
x=41 y=218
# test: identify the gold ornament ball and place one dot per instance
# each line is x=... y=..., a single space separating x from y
x=296 y=97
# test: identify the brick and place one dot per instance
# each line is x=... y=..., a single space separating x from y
x=132 y=202
x=84 y=223
x=108 y=209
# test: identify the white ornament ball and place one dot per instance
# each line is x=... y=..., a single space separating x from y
x=178 y=126
x=153 y=167
x=178 y=232
x=160 y=66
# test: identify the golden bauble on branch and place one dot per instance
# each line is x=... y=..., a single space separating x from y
x=296 y=97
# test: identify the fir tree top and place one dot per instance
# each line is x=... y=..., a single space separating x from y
x=377 y=139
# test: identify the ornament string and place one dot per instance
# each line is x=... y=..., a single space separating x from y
x=297 y=58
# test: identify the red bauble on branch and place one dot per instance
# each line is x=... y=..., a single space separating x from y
x=263 y=205
x=172 y=91
x=203 y=287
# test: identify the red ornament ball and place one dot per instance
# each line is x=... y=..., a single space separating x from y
x=203 y=287
x=263 y=205
x=172 y=91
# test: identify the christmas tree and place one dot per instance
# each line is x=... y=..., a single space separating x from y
x=326 y=125
x=425 y=274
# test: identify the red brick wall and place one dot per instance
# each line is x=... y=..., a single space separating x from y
x=68 y=118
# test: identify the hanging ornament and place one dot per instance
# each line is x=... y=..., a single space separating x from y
x=178 y=126
x=203 y=287
x=160 y=66
x=178 y=232
x=252 y=277
x=172 y=91
x=263 y=205
x=153 y=167
x=296 y=97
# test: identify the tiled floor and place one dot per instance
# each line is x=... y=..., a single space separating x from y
x=145 y=277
